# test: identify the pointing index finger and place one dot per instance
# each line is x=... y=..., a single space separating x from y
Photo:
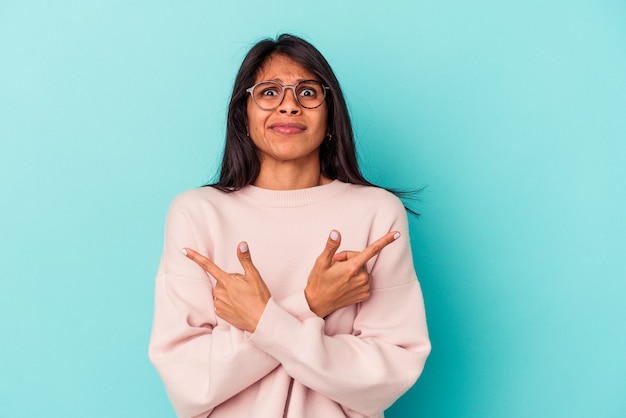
x=376 y=247
x=206 y=264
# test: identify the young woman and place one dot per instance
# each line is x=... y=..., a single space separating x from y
x=287 y=288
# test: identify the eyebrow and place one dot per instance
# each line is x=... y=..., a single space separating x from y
x=280 y=80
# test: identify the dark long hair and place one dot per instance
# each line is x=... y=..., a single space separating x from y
x=338 y=159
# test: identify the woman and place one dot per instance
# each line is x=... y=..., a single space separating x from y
x=257 y=317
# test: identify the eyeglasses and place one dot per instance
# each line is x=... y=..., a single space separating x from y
x=268 y=95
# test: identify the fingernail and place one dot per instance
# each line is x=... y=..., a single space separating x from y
x=184 y=252
x=243 y=247
x=334 y=235
x=396 y=235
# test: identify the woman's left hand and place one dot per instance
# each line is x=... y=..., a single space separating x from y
x=239 y=299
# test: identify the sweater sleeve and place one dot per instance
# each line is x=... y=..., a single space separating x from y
x=202 y=361
x=367 y=370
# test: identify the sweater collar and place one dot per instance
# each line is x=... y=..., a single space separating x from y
x=291 y=198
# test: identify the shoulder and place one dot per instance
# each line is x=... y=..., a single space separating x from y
x=196 y=207
x=197 y=195
x=376 y=197
x=197 y=200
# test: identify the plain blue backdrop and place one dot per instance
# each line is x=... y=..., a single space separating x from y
x=512 y=113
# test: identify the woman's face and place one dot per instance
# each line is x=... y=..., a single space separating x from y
x=290 y=132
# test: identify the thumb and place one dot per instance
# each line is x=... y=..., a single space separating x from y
x=243 y=253
x=344 y=255
x=332 y=244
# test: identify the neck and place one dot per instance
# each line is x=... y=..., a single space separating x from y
x=290 y=177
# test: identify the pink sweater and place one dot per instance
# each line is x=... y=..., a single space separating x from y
x=354 y=363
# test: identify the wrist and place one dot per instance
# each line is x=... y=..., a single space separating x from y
x=256 y=317
x=314 y=305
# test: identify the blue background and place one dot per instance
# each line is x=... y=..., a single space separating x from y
x=512 y=113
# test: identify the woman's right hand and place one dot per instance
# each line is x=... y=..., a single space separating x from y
x=340 y=279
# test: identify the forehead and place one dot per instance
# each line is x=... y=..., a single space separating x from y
x=283 y=69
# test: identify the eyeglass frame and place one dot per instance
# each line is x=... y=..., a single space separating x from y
x=282 y=95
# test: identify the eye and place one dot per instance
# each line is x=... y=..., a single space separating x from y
x=270 y=91
x=308 y=92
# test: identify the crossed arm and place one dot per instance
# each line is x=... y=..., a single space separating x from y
x=372 y=367
x=337 y=280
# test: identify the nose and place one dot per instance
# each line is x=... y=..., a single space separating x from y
x=289 y=105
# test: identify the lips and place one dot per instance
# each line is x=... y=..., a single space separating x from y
x=288 y=128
